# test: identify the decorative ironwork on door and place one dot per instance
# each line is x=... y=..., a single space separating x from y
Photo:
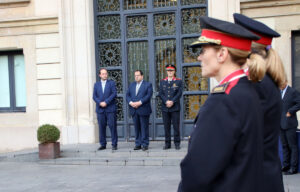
x=147 y=35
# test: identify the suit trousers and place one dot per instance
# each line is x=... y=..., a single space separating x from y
x=141 y=126
x=289 y=142
x=173 y=117
x=109 y=119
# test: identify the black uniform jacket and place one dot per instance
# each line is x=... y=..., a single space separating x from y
x=291 y=103
x=225 y=148
x=271 y=103
x=170 y=91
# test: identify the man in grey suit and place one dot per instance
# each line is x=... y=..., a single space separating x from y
x=289 y=123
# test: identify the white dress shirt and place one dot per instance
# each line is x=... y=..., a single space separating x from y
x=103 y=85
x=283 y=91
x=138 y=85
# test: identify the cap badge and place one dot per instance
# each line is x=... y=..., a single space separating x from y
x=204 y=39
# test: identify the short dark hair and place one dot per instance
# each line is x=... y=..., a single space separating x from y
x=102 y=69
x=141 y=72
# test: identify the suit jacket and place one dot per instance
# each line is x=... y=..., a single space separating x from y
x=144 y=95
x=291 y=103
x=109 y=96
x=170 y=91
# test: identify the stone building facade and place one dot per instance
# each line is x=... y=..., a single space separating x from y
x=54 y=46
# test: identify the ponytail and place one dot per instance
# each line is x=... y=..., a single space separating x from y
x=274 y=65
x=257 y=67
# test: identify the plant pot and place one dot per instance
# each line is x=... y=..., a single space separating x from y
x=49 y=150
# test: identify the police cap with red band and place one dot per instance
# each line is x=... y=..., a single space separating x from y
x=266 y=33
x=170 y=67
x=218 y=32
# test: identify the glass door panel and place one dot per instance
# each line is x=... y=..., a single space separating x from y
x=135 y=4
x=137 y=59
x=165 y=53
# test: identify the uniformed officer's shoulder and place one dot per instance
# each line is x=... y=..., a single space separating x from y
x=220 y=88
x=165 y=79
x=177 y=78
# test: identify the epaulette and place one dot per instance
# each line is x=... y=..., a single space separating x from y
x=220 y=88
x=165 y=79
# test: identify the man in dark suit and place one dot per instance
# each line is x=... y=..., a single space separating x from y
x=138 y=97
x=170 y=92
x=289 y=124
x=104 y=95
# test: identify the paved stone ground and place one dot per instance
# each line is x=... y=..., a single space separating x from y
x=31 y=177
x=292 y=183
x=22 y=171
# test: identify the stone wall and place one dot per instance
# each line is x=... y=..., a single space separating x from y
x=33 y=27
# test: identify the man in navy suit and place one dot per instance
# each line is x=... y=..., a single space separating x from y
x=138 y=97
x=289 y=124
x=104 y=95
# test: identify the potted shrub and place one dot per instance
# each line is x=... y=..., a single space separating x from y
x=48 y=135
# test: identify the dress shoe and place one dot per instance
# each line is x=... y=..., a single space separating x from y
x=285 y=169
x=290 y=172
x=114 y=148
x=102 y=148
x=144 y=148
x=166 y=147
x=137 y=148
x=177 y=147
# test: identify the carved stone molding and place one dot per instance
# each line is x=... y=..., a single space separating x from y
x=13 y=1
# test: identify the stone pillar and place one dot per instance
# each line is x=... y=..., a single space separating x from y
x=78 y=59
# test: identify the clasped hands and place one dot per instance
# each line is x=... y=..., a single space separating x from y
x=169 y=103
x=102 y=104
x=136 y=104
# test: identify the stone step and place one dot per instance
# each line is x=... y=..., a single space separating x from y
x=87 y=154
x=128 y=153
x=113 y=161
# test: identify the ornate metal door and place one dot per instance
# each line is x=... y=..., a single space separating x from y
x=147 y=35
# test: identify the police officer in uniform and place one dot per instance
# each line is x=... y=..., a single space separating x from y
x=268 y=91
x=170 y=92
x=225 y=147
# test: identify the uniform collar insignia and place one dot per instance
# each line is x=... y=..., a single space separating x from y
x=220 y=88
x=173 y=79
